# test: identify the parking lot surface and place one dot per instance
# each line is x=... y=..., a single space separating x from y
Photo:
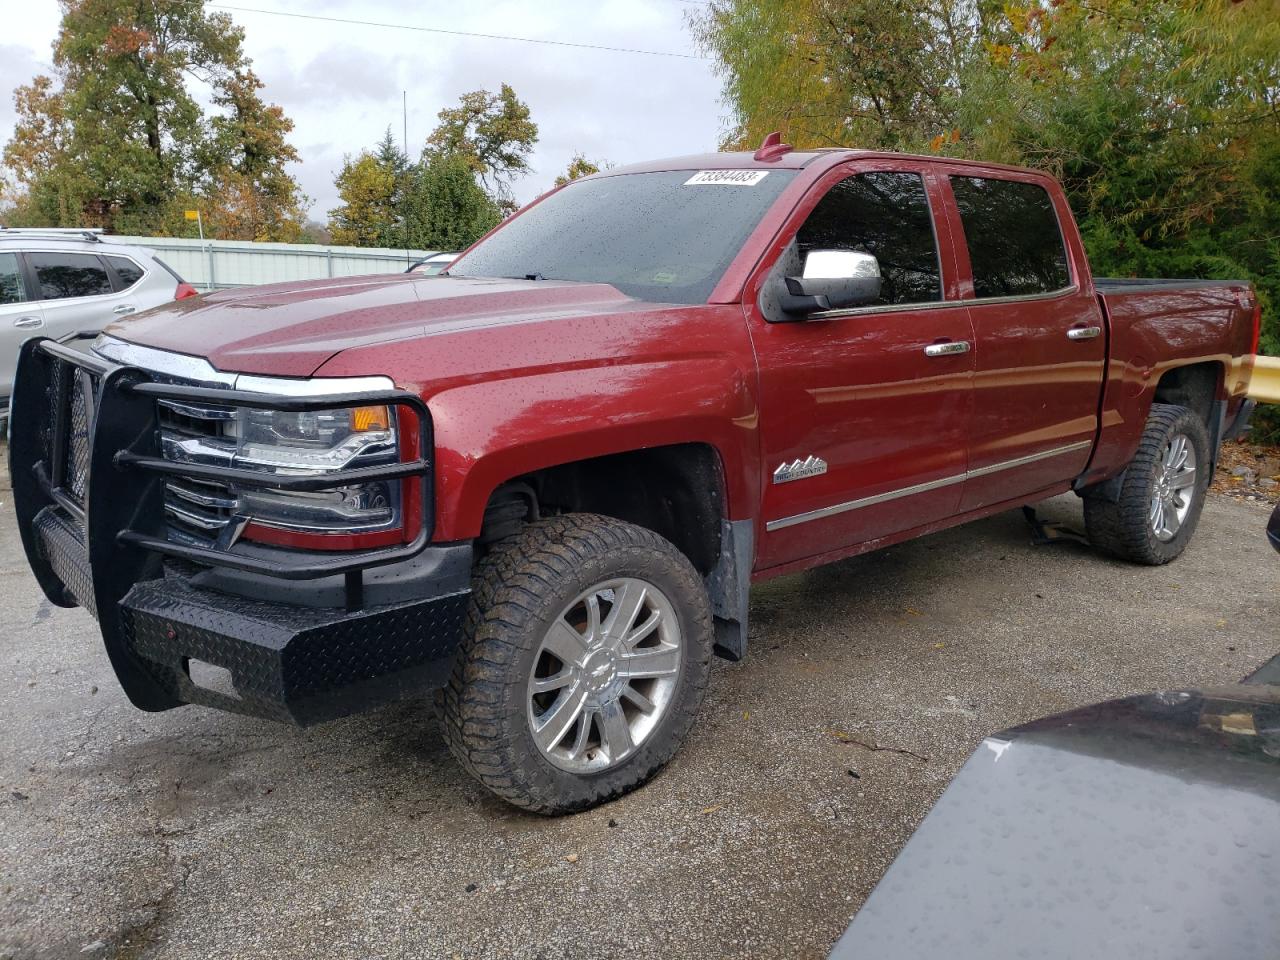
x=195 y=834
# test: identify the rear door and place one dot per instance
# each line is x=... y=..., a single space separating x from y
x=1040 y=336
x=864 y=421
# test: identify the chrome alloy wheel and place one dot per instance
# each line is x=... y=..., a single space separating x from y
x=1175 y=487
x=604 y=675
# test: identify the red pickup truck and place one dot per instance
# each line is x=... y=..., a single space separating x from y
x=542 y=484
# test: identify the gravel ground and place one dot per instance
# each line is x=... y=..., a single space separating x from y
x=1249 y=471
x=194 y=834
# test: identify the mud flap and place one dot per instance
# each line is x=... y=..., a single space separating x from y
x=729 y=587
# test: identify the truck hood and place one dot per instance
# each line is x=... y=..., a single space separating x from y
x=290 y=330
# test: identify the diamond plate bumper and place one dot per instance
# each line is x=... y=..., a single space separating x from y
x=287 y=662
x=290 y=663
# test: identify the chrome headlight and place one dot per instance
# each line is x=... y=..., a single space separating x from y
x=310 y=443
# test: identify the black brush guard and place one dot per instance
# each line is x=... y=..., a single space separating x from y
x=88 y=487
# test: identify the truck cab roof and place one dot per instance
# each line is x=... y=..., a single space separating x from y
x=818 y=159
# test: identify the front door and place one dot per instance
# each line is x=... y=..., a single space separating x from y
x=1040 y=340
x=865 y=411
x=21 y=318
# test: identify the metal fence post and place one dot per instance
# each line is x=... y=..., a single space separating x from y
x=328 y=255
x=213 y=277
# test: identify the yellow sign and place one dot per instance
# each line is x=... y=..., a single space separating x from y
x=191 y=214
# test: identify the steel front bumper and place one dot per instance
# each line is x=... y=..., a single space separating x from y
x=92 y=525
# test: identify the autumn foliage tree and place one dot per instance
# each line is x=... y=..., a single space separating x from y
x=250 y=194
x=117 y=139
x=370 y=186
x=579 y=166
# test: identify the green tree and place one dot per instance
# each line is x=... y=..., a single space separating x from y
x=579 y=166
x=119 y=139
x=445 y=208
x=492 y=133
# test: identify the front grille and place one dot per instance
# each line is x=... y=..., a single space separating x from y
x=53 y=396
x=84 y=388
x=196 y=509
x=68 y=426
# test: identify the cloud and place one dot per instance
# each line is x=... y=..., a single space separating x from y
x=337 y=74
x=342 y=84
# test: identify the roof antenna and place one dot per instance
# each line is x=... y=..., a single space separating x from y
x=772 y=149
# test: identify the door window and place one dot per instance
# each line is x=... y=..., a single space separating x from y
x=63 y=275
x=126 y=270
x=886 y=215
x=11 y=287
x=1015 y=242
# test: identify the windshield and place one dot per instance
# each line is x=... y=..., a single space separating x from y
x=654 y=236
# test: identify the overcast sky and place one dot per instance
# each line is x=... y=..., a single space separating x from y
x=341 y=83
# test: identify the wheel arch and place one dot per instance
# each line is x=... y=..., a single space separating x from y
x=1195 y=386
x=679 y=491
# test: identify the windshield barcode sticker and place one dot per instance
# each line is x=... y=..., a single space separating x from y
x=726 y=178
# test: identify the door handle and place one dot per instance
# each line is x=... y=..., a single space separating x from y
x=1083 y=333
x=123 y=309
x=946 y=349
x=28 y=322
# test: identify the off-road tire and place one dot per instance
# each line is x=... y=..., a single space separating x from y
x=1123 y=528
x=518 y=589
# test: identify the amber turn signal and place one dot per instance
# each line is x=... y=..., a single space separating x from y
x=370 y=418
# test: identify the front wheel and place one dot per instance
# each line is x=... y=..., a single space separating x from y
x=585 y=657
x=1162 y=494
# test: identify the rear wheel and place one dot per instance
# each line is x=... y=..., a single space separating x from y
x=586 y=654
x=1162 y=494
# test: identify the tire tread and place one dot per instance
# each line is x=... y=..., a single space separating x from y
x=1122 y=528
x=509 y=590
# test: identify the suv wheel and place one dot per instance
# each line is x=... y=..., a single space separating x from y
x=586 y=653
x=1162 y=494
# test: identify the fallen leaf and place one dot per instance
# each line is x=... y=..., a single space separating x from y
x=711 y=809
x=571 y=858
x=938 y=646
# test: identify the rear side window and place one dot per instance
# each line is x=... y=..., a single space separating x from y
x=1015 y=243
x=11 y=288
x=126 y=270
x=63 y=275
x=886 y=215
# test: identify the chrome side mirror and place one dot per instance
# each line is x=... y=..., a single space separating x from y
x=832 y=280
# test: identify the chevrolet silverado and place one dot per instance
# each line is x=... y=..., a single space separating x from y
x=539 y=486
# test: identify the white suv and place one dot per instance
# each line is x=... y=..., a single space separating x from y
x=58 y=283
